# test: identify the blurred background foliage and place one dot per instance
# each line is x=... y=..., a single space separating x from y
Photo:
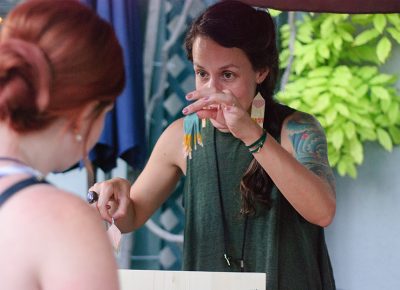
x=334 y=65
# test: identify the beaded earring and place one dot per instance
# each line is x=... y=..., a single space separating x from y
x=258 y=109
x=192 y=134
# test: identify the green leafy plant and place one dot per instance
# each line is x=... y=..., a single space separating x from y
x=335 y=75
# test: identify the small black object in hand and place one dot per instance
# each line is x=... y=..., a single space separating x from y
x=92 y=196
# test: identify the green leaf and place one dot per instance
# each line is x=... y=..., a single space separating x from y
x=346 y=36
x=322 y=103
x=366 y=133
x=384 y=139
x=327 y=27
x=323 y=50
x=356 y=150
x=340 y=92
x=274 y=12
x=299 y=66
x=333 y=157
x=342 y=109
x=393 y=113
x=314 y=91
x=330 y=116
x=365 y=37
x=285 y=28
x=322 y=71
x=363 y=19
x=314 y=82
x=382 y=121
x=349 y=130
x=380 y=92
x=342 y=167
x=385 y=105
x=379 y=22
x=395 y=133
x=304 y=33
x=383 y=49
x=361 y=91
x=382 y=79
x=351 y=170
x=367 y=72
x=337 y=138
x=362 y=121
x=296 y=86
x=363 y=54
x=295 y=104
x=394 y=19
x=338 y=42
x=394 y=33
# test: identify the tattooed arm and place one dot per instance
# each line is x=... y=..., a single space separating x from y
x=300 y=169
x=308 y=145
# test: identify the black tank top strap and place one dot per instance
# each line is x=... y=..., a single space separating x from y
x=274 y=118
x=19 y=186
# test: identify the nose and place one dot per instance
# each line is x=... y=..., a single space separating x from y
x=214 y=84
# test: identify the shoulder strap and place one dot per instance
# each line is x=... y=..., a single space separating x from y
x=274 y=118
x=18 y=186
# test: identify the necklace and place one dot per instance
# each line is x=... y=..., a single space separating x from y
x=223 y=217
x=18 y=167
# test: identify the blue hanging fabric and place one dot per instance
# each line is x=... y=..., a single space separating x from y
x=124 y=130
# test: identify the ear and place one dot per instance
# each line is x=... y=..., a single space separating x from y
x=77 y=121
x=261 y=75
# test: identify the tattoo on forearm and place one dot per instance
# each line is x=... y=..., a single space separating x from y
x=309 y=143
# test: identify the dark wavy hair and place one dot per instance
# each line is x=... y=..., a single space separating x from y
x=235 y=24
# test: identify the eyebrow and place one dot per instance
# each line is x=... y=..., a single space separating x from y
x=221 y=68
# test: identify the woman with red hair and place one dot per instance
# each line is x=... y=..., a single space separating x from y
x=61 y=69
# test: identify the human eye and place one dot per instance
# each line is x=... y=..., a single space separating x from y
x=228 y=75
x=201 y=74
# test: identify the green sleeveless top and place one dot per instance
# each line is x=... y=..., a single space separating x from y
x=279 y=242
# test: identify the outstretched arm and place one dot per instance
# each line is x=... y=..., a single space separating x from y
x=131 y=206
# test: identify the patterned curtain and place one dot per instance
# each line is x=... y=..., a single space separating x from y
x=168 y=77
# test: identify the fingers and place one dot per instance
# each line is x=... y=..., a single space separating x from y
x=112 y=198
x=207 y=104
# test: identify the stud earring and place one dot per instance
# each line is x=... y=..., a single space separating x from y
x=78 y=138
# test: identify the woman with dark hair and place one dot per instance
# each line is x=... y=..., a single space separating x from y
x=54 y=95
x=258 y=188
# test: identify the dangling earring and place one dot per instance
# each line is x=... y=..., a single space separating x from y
x=258 y=109
x=192 y=134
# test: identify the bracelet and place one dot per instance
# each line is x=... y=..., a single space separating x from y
x=258 y=144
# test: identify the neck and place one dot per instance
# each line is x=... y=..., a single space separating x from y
x=26 y=149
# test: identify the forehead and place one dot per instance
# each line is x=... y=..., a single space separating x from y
x=208 y=53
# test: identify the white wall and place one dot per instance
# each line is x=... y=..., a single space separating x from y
x=364 y=239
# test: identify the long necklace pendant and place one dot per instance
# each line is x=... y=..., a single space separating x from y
x=228 y=259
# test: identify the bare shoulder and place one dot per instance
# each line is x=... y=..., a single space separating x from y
x=60 y=226
x=53 y=215
x=169 y=147
x=301 y=121
x=300 y=126
x=174 y=130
